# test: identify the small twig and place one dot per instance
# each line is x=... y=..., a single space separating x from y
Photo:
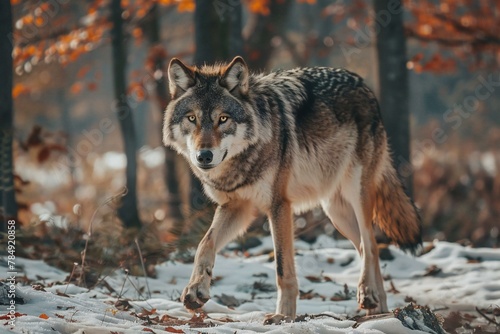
x=71 y=319
x=105 y=311
x=174 y=293
x=444 y=308
x=100 y=280
x=372 y=317
x=71 y=276
x=310 y=227
x=143 y=266
x=123 y=285
x=326 y=315
x=138 y=291
x=135 y=287
x=89 y=233
x=490 y=320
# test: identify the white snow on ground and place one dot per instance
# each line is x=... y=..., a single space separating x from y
x=462 y=285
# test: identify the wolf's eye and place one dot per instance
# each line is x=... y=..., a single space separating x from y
x=192 y=118
x=222 y=119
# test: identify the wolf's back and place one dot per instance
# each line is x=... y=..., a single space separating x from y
x=350 y=101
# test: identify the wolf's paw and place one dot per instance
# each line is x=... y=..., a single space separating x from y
x=195 y=295
x=276 y=319
x=368 y=298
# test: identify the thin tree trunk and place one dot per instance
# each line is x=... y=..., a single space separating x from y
x=217 y=31
x=8 y=205
x=128 y=211
x=393 y=79
x=152 y=28
x=261 y=29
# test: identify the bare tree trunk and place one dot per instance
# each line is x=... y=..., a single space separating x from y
x=152 y=28
x=128 y=211
x=217 y=31
x=261 y=29
x=8 y=205
x=393 y=78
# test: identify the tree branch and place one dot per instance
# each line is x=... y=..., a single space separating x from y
x=474 y=41
x=486 y=317
x=476 y=32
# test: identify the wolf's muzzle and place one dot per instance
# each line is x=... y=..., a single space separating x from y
x=204 y=158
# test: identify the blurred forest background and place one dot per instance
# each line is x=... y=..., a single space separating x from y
x=89 y=89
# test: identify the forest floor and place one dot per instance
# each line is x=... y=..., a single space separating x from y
x=459 y=286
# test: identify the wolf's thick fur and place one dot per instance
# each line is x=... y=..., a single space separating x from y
x=282 y=143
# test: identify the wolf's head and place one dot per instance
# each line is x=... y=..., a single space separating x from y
x=210 y=118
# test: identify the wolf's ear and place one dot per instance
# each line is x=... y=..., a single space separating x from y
x=180 y=77
x=236 y=75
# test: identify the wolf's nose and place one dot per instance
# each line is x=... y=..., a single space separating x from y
x=204 y=157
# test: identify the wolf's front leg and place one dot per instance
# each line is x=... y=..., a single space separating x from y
x=229 y=220
x=283 y=233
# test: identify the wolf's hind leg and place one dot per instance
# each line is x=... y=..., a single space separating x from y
x=371 y=294
x=342 y=216
x=229 y=220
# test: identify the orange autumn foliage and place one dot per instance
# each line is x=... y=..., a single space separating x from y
x=76 y=88
x=259 y=6
x=182 y=5
x=19 y=89
x=469 y=28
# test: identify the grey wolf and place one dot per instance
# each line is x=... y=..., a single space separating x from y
x=281 y=143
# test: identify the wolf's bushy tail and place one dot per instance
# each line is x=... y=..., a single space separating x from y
x=396 y=213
